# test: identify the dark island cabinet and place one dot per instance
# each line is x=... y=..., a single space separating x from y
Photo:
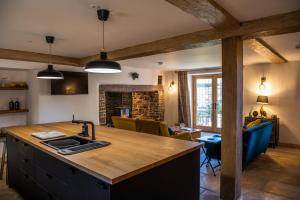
x=39 y=176
x=36 y=175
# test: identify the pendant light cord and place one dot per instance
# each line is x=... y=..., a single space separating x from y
x=50 y=54
x=103 y=47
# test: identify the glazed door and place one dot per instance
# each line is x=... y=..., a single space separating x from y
x=207 y=102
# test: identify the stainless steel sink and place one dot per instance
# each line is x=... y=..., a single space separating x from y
x=74 y=144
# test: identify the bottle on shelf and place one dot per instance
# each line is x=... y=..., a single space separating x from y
x=17 y=104
x=11 y=104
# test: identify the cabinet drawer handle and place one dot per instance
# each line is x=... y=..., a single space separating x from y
x=102 y=185
x=26 y=160
x=72 y=169
x=49 y=176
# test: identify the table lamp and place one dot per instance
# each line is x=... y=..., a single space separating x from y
x=263 y=100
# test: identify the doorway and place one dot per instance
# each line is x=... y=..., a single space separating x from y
x=207 y=102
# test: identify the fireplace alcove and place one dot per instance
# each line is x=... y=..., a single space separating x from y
x=136 y=101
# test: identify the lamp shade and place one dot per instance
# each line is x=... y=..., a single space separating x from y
x=262 y=99
x=50 y=73
x=103 y=65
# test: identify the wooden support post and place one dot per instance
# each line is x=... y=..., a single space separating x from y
x=232 y=72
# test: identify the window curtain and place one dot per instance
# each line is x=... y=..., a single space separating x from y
x=184 y=113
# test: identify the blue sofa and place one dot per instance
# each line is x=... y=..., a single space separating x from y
x=255 y=141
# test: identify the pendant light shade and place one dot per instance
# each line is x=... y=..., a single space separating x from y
x=50 y=72
x=103 y=65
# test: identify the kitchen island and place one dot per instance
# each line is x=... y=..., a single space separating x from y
x=135 y=166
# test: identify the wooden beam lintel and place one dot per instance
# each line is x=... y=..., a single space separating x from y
x=208 y=11
x=273 y=25
x=262 y=48
x=37 y=57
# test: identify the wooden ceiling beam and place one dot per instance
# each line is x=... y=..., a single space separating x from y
x=157 y=47
x=262 y=48
x=208 y=11
x=215 y=15
x=37 y=57
x=273 y=25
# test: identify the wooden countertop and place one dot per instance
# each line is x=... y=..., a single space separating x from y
x=129 y=154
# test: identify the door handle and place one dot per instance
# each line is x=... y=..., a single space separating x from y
x=214 y=106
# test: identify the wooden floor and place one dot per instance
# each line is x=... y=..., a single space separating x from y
x=273 y=176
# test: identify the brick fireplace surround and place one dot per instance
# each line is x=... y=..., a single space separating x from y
x=147 y=101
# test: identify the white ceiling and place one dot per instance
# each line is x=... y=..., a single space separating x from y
x=286 y=45
x=244 y=10
x=24 y=23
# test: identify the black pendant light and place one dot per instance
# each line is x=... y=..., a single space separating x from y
x=103 y=65
x=50 y=72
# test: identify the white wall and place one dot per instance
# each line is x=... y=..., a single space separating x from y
x=5 y=95
x=52 y=108
x=283 y=89
x=171 y=97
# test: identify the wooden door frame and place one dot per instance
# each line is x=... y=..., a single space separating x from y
x=216 y=76
x=214 y=98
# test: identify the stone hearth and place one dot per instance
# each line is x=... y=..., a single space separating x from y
x=143 y=101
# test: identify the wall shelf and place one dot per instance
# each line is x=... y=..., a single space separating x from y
x=13 y=88
x=13 y=111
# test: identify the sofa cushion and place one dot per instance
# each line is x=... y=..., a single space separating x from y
x=164 y=130
x=148 y=126
x=254 y=123
x=124 y=123
x=183 y=136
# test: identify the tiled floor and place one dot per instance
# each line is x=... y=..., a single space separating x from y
x=272 y=176
x=7 y=193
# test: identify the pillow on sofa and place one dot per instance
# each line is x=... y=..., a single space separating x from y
x=254 y=123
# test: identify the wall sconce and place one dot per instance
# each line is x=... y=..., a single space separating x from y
x=134 y=75
x=262 y=85
x=172 y=86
